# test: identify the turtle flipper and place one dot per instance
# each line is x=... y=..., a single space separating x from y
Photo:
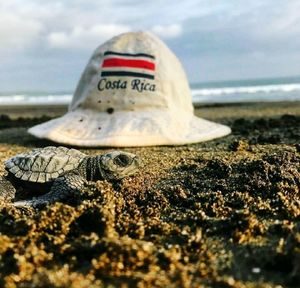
x=62 y=187
x=7 y=190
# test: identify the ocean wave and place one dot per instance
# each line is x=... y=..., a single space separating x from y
x=247 y=89
x=24 y=99
x=279 y=92
x=255 y=93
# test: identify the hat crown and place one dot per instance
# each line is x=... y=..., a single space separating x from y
x=130 y=72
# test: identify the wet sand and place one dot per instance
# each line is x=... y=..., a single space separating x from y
x=224 y=213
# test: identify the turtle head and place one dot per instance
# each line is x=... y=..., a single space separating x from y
x=117 y=165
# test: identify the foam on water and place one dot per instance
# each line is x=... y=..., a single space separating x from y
x=274 y=92
x=222 y=92
x=43 y=99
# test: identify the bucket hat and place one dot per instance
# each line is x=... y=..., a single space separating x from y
x=133 y=92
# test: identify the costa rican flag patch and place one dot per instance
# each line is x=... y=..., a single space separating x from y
x=138 y=65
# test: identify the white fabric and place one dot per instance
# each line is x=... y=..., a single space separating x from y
x=121 y=111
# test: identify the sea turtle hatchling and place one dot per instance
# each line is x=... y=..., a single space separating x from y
x=61 y=171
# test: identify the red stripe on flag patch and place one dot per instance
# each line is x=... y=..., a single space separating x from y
x=132 y=63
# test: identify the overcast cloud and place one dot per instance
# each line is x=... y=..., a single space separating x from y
x=45 y=46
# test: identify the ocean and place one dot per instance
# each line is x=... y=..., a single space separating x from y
x=238 y=91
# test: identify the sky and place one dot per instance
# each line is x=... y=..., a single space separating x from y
x=45 y=45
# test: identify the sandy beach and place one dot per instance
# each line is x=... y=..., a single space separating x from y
x=224 y=213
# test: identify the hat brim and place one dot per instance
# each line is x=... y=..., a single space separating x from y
x=85 y=127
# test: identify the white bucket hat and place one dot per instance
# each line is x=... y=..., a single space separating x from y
x=133 y=92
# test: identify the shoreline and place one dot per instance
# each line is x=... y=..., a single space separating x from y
x=253 y=109
x=223 y=213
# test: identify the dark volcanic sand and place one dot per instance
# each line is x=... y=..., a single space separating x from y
x=225 y=213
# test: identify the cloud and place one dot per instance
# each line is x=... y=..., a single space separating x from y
x=85 y=38
x=58 y=24
x=169 y=31
x=24 y=22
x=245 y=30
x=279 y=23
x=222 y=35
x=17 y=31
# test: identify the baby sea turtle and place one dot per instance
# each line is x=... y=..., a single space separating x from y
x=61 y=171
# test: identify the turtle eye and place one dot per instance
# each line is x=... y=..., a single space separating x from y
x=122 y=160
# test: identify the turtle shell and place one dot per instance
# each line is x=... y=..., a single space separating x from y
x=44 y=164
